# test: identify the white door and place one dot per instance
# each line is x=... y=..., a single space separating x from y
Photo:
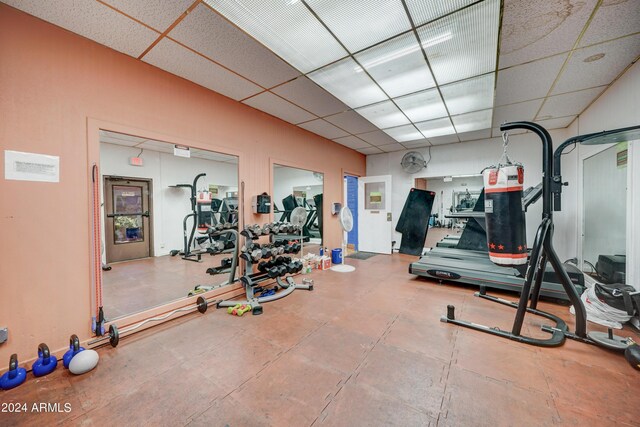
x=374 y=214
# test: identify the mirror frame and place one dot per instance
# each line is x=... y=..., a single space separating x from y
x=233 y=290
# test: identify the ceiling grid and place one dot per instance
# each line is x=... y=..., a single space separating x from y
x=419 y=72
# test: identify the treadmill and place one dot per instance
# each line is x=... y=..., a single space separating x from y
x=468 y=261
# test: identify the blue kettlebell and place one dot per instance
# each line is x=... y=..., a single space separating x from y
x=46 y=363
x=15 y=376
x=74 y=348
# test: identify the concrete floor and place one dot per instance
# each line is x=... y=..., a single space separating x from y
x=364 y=348
x=137 y=285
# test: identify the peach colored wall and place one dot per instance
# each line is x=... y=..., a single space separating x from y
x=55 y=88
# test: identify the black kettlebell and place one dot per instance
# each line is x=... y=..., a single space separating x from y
x=632 y=354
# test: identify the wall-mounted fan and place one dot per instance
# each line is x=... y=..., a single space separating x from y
x=299 y=218
x=413 y=162
x=346 y=222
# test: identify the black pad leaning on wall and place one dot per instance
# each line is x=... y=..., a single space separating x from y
x=414 y=221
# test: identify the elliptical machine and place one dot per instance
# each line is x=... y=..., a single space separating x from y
x=543 y=252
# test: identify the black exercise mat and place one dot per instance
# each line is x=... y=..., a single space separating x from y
x=361 y=255
x=414 y=221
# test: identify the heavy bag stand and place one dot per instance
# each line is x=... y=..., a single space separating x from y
x=543 y=252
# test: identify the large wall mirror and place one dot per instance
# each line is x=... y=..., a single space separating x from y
x=293 y=187
x=604 y=234
x=166 y=216
x=454 y=194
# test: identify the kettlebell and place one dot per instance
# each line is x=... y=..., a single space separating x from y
x=46 y=363
x=632 y=354
x=15 y=376
x=74 y=348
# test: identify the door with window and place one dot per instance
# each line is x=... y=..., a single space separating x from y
x=128 y=218
x=374 y=214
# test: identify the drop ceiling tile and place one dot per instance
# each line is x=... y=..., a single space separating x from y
x=205 y=31
x=475 y=135
x=478 y=120
x=346 y=81
x=311 y=97
x=438 y=127
x=323 y=128
x=352 y=142
x=391 y=148
x=276 y=106
x=351 y=21
x=469 y=95
x=384 y=115
x=175 y=59
x=370 y=150
x=351 y=122
x=404 y=133
x=288 y=28
x=539 y=28
x=421 y=106
x=158 y=14
x=527 y=81
x=121 y=137
x=569 y=103
x=446 y=139
x=418 y=143
x=583 y=72
x=162 y=148
x=614 y=18
x=425 y=11
x=559 y=123
x=463 y=44
x=92 y=20
x=522 y=111
x=377 y=138
x=398 y=65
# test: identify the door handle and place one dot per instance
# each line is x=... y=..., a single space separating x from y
x=115 y=215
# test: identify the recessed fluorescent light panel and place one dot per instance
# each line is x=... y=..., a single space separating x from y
x=469 y=95
x=435 y=128
x=384 y=115
x=398 y=65
x=361 y=23
x=477 y=120
x=404 y=133
x=463 y=44
x=286 y=27
x=414 y=68
x=344 y=81
x=425 y=11
x=421 y=106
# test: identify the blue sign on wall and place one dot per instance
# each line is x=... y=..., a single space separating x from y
x=352 y=203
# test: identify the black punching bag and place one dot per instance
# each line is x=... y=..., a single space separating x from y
x=505 y=216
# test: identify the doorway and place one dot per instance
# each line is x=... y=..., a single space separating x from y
x=374 y=214
x=128 y=232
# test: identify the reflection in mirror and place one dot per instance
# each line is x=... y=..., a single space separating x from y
x=167 y=222
x=454 y=194
x=605 y=214
x=292 y=188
